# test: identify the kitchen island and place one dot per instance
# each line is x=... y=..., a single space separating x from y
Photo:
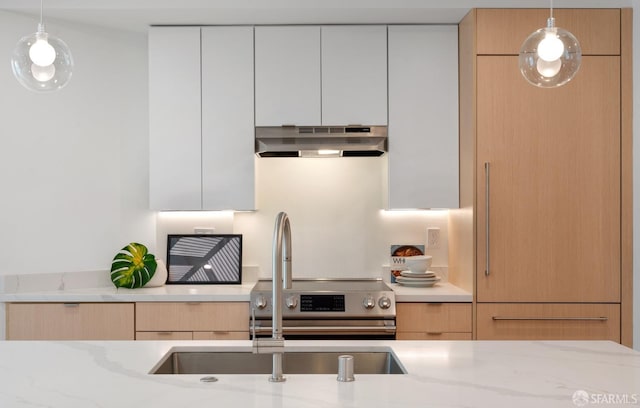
x=439 y=374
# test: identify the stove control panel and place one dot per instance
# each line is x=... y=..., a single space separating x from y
x=322 y=299
x=330 y=304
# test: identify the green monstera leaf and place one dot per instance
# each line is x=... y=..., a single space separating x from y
x=133 y=266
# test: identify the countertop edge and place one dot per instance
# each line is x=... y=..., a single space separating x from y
x=443 y=292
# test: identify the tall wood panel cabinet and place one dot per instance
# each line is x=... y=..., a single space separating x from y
x=547 y=176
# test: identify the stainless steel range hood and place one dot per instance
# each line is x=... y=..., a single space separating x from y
x=321 y=141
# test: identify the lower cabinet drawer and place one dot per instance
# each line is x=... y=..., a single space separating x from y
x=70 y=321
x=191 y=317
x=433 y=336
x=434 y=317
x=548 y=321
x=164 y=335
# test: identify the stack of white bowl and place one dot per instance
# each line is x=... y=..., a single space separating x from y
x=417 y=273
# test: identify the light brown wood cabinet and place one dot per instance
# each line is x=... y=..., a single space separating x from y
x=433 y=321
x=192 y=321
x=70 y=321
x=550 y=182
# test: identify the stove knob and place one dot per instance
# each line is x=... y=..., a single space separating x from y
x=384 y=302
x=260 y=302
x=369 y=302
x=291 y=302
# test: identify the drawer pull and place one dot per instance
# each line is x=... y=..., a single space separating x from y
x=193 y=303
x=435 y=333
x=598 y=319
x=71 y=304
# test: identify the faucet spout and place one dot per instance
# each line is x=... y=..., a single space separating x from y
x=281 y=269
x=281 y=279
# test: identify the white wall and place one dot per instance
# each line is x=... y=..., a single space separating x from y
x=74 y=164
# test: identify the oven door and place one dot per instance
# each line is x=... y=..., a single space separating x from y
x=330 y=329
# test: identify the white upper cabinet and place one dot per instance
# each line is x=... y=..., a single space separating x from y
x=227 y=118
x=354 y=75
x=330 y=75
x=423 y=116
x=201 y=118
x=174 y=118
x=287 y=75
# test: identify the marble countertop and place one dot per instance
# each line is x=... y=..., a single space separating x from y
x=167 y=293
x=71 y=288
x=440 y=374
x=441 y=292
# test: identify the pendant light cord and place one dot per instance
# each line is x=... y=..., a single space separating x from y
x=41 y=25
x=550 y=8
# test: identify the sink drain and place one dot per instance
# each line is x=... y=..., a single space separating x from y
x=208 y=379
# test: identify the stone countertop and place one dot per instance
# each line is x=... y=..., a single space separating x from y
x=440 y=374
x=441 y=292
x=68 y=292
x=167 y=293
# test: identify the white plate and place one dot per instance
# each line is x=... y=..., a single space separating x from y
x=427 y=284
x=409 y=274
x=405 y=279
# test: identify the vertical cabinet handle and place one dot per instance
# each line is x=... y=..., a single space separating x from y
x=487 y=178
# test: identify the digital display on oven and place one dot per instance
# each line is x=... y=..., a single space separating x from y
x=322 y=303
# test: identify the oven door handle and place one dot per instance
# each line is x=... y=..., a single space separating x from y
x=315 y=329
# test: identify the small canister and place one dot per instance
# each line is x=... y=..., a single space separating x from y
x=345 y=368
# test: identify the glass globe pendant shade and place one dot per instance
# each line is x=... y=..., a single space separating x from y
x=42 y=62
x=550 y=57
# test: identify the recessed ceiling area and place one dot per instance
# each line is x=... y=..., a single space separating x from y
x=137 y=15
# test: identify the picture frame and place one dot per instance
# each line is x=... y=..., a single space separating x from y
x=211 y=259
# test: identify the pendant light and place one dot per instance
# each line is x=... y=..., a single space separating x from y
x=550 y=57
x=42 y=62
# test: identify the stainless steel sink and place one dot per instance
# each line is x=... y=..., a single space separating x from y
x=294 y=362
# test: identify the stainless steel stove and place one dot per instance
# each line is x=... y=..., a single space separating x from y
x=328 y=308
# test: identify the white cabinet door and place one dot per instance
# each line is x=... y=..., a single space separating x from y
x=354 y=75
x=287 y=75
x=423 y=117
x=174 y=118
x=227 y=118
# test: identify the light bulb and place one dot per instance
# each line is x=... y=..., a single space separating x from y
x=548 y=69
x=42 y=62
x=43 y=74
x=41 y=52
x=28 y=63
x=546 y=64
x=551 y=47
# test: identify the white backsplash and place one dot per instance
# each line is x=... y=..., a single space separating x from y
x=55 y=281
x=338 y=227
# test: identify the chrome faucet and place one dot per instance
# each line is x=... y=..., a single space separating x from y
x=281 y=279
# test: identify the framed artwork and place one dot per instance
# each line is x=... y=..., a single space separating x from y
x=204 y=259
